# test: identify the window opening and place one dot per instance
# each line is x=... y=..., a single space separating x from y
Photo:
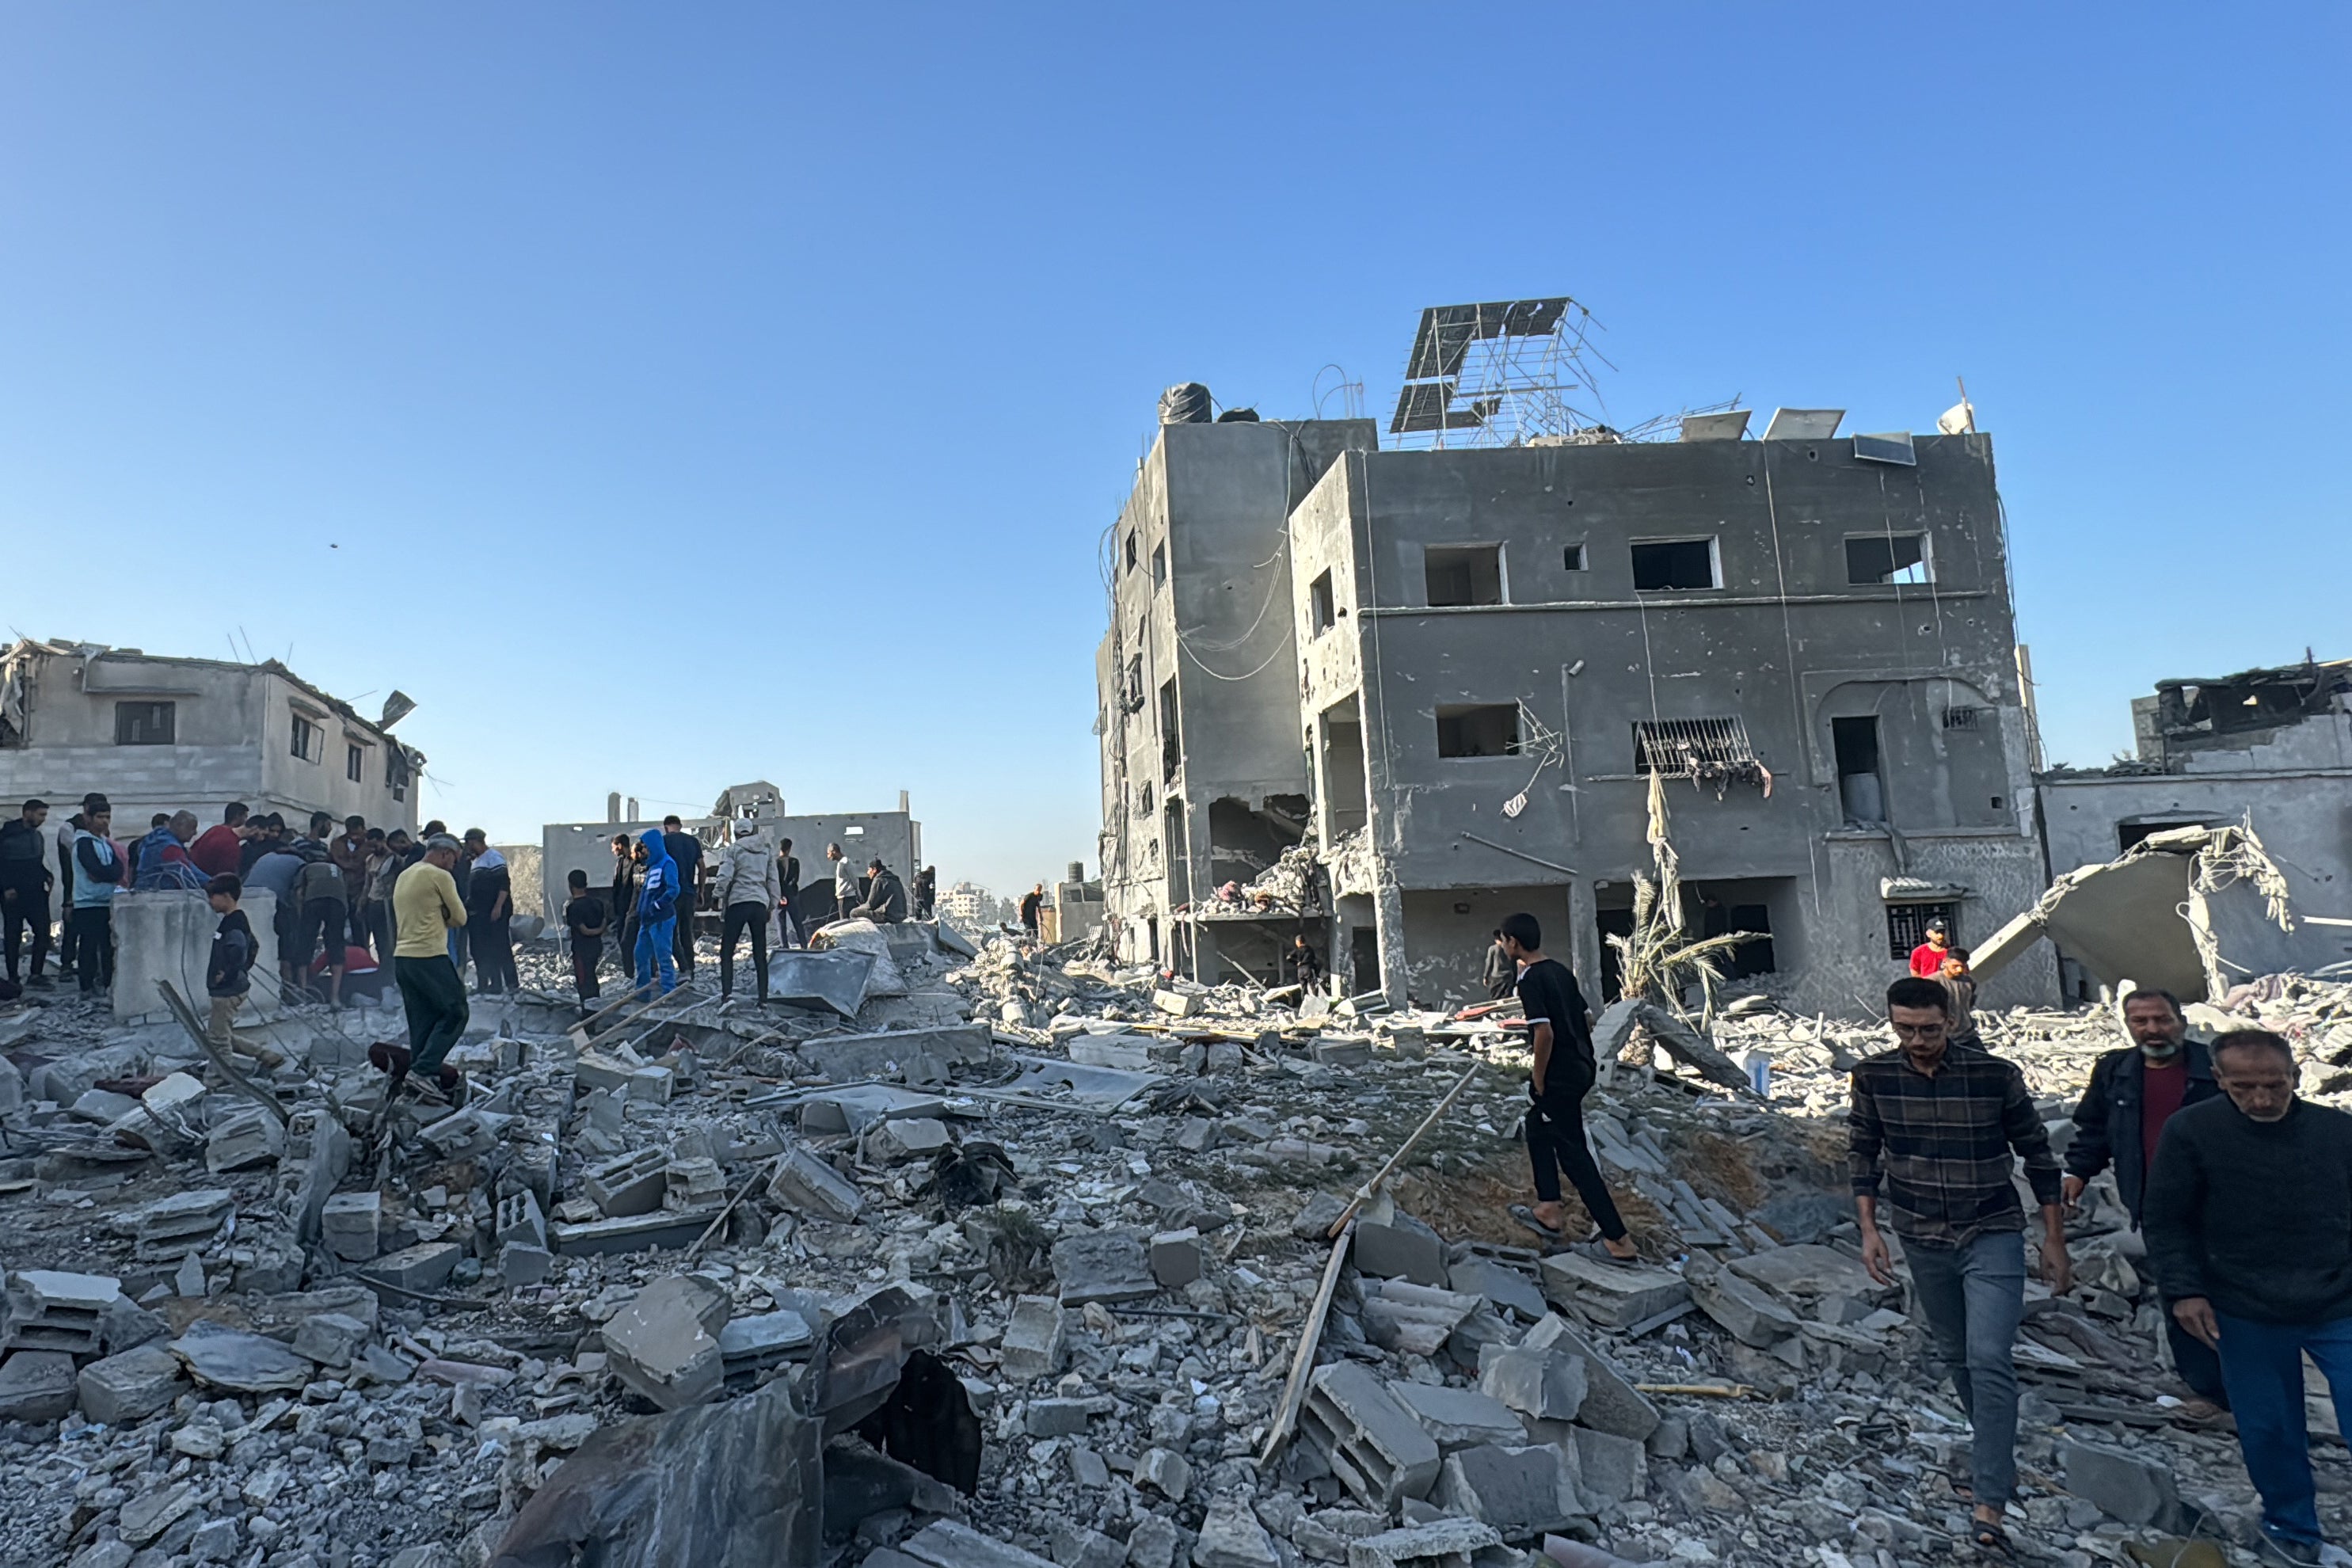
x=1478 y=730
x=145 y=723
x=1907 y=925
x=1704 y=751
x=1171 y=734
x=1462 y=574
x=1130 y=552
x=1318 y=594
x=1160 y=566
x=356 y=764
x=1880 y=558
x=1861 y=790
x=309 y=741
x=1573 y=557
x=1675 y=564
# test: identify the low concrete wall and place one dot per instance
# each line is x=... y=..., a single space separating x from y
x=169 y=936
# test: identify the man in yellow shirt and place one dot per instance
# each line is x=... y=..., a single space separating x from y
x=424 y=906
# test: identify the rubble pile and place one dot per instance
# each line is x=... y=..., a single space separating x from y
x=952 y=1257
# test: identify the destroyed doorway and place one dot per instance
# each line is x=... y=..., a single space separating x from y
x=1862 y=789
x=1179 y=853
x=1243 y=843
x=1341 y=745
x=1612 y=915
x=1765 y=905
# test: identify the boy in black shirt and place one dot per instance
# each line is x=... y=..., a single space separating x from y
x=1559 y=1028
x=584 y=917
x=228 y=973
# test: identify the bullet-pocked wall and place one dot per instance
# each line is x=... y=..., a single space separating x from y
x=1810 y=646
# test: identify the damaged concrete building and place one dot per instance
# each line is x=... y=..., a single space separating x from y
x=2269 y=749
x=159 y=733
x=1489 y=650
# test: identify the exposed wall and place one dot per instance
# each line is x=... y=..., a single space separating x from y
x=168 y=936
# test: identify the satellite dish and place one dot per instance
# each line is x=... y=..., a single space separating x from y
x=1960 y=419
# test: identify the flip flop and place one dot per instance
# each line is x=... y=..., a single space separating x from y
x=1601 y=1250
x=1526 y=1214
x=1991 y=1539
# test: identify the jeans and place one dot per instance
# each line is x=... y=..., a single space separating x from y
x=682 y=935
x=656 y=941
x=739 y=919
x=435 y=999
x=494 y=960
x=93 y=928
x=788 y=921
x=586 y=951
x=29 y=907
x=1972 y=1296
x=2263 y=1365
x=1556 y=1142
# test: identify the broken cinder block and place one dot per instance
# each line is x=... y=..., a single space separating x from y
x=665 y=1342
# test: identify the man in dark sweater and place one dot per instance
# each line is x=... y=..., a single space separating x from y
x=2250 y=1230
x=2133 y=1095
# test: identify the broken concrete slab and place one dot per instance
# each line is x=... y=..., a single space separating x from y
x=52 y=1310
x=1614 y=1295
x=856 y=1107
x=1441 y=1544
x=951 y=1544
x=221 y=1357
x=1521 y=1492
x=1504 y=1287
x=1230 y=1537
x=170 y=1228
x=806 y=1185
x=1457 y=1417
x=2133 y=1488
x=1374 y=1445
x=1392 y=1245
x=1546 y=1384
x=1103 y=1265
x=1415 y=1319
x=1742 y=1309
x=844 y=1057
x=132 y=1385
x=1035 y=1340
x=1803 y=1275
x=719 y=1485
x=665 y=1342
x=36 y=1385
x=243 y=1140
x=1611 y=1403
x=809 y=977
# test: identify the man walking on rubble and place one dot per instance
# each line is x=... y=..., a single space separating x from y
x=2133 y=1095
x=426 y=909
x=2249 y=1232
x=1934 y=1123
x=621 y=908
x=789 y=930
x=1033 y=904
x=746 y=887
x=1560 y=1032
x=658 y=901
x=686 y=852
x=1501 y=975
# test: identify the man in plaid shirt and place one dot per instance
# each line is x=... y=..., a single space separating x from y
x=1936 y=1123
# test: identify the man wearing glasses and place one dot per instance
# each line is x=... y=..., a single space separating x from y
x=1936 y=1122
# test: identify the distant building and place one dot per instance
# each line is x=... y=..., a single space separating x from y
x=2271 y=748
x=969 y=905
x=157 y=733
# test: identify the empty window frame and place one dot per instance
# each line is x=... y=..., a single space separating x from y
x=1171 y=733
x=1130 y=552
x=1160 y=566
x=1967 y=718
x=1691 y=747
x=1668 y=566
x=355 y=764
x=1907 y=925
x=1321 y=604
x=1571 y=558
x=395 y=772
x=145 y=723
x=1478 y=730
x=1462 y=574
x=309 y=741
x=1883 y=558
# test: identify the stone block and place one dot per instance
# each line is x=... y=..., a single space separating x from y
x=351 y=1224
x=424 y=1266
x=693 y=1184
x=130 y=1386
x=628 y=1185
x=1230 y=1537
x=1165 y=1471
x=170 y=1228
x=1804 y=1276
x=1457 y=1417
x=1521 y=1492
x=665 y=1342
x=651 y=1084
x=660 y=1230
x=856 y=1107
x=1544 y=1384
x=763 y=1340
x=1743 y=1309
x=36 y=1385
x=600 y=1070
x=1057 y=1418
x=1615 y=1295
x=241 y=1362
x=1374 y=1445
x=151 y=1513
x=2133 y=1488
x=909 y=1138
x=949 y=1543
x=1504 y=1287
x=807 y=1186
x=523 y=1263
x=1175 y=1003
x=1610 y=1470
x=1034 y=1343
x=330 y=1338
x=1412 y=1319
x=1441 y=1544
x=1392 y=1245
x=1072 y=1545
x=1176 y=1258
x=48 y=1309
x=1104 y=1265
x=1314 y=1222
x=1611 y=1404
x=243 y=1140
x=519 y=1219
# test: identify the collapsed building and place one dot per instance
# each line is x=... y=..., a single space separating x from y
x=1382 y=698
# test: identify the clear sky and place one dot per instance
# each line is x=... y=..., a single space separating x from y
x=666 y=397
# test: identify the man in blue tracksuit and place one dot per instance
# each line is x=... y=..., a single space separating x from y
x=657 y=914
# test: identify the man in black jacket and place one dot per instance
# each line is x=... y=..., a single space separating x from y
x=25 y=884
x=885 y=897
x=2250 y=1231
x=2133 y=1093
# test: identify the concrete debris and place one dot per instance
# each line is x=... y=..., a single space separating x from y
x=1012 y=1268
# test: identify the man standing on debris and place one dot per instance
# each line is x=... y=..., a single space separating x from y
x=1502 y=975
x=2133 y=1095
x=747 y=890
x=25 y=883
x=2250 y=1231
x=658 y=909
x=584 y=920
x=490 y=913
x=1934 y=1123
x=789 y=930
x=1305 y=966
x=1033 y=904
x=886 y=896
x=322 y=918
x=98 y=874
x=685 y=851
x=1560 y=1032
x=926 y=891
x=1928 y=958
x=426 y=909
x=621 y=908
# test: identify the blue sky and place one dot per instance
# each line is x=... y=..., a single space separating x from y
x=690 y=394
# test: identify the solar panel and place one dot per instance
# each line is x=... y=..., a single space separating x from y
x=1889 y=448
x=1803 y=424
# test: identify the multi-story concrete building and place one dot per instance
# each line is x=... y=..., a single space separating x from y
x=1490 y=652
x=156 y=734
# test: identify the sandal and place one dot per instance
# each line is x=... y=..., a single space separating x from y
x=1600 y=1249
x=1990 y=1538
x=1526 y=1214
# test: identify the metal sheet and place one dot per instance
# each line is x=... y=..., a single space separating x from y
x=836 y=978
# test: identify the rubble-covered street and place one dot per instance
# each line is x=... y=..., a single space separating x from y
x=1006 y=1255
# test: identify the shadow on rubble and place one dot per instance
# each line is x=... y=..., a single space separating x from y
x=874 y=1422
